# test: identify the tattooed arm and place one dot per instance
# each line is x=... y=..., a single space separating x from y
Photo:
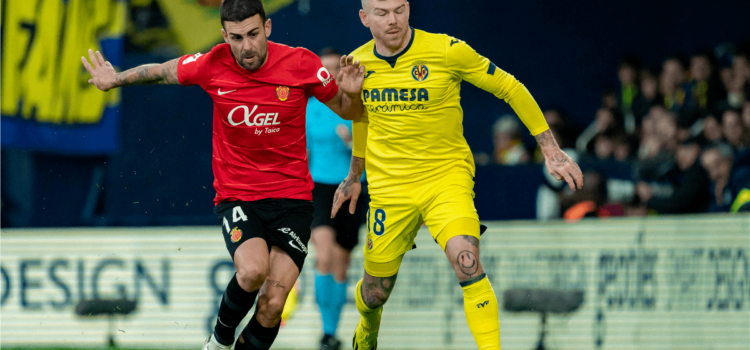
x=559 y=164
x=104 y=76
x=350 y=187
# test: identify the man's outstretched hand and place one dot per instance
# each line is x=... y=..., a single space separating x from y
x=559 y=164
x=562 y=167
x=351 y=76
x=349 y=189
x=103 y=75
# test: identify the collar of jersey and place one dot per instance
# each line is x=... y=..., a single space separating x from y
x=392 y=59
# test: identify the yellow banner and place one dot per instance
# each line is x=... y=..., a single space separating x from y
x=42 y=75
x=199 y=27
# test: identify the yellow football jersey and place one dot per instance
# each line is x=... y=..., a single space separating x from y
x=413 y=129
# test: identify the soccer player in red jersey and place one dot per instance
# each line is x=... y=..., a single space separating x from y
x=263 y=185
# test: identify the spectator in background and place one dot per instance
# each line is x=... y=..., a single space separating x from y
x=728 y=177
x=734 y=131
x=509 y=149
x=690 y=185
x=746 y=111
x=627 y=74
x=659 y=133
x=740 y=79
x=706 y=86
x=737 y=135
x=672 y=82
x=609 y=99
x=613 y=145
x=623 y=147
x=607 y=120
x=648 y=95
x=604 y=145
x=705 y=90
x=712 y=130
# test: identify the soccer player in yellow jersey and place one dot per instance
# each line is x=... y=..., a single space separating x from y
x=419 y=166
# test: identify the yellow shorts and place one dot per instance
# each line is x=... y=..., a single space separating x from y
x=397 y=213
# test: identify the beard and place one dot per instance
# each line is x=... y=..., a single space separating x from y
x=258 y=58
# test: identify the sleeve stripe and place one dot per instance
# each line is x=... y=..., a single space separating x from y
x=491 y=69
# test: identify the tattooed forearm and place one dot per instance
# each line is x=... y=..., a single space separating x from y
x=275 y=283
x=355 y=173
x=550 y=149
x=546 y=139
x=165 y=73
x=356 y=168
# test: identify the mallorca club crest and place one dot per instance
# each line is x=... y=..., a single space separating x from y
x=420 y=71
x=235 y=235
x=282 y=92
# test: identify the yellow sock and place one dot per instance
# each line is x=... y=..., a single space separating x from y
x=480 y=305
x=370 y=318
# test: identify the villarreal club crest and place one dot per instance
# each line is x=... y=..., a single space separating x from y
x=420 y=71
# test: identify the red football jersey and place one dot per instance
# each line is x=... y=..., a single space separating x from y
x=259 y=145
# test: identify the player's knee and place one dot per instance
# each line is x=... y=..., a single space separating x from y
x=379 y=299
x=376 y=297
x=323 y=263
x=271 y=307
x=251 y=277
x=341 y=266
x=466 y=265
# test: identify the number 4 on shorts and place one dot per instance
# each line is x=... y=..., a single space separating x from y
x=237 y=215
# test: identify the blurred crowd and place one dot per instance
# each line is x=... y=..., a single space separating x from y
x=667 y=140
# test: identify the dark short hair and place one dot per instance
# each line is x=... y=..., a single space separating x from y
x=631 y=61
x=329 y=51
x=240 y=10
x=679 y=58
x=709 y=55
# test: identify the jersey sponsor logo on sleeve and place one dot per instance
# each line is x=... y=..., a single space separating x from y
x=282 y=93
x=325 y=76
x=420 y=71
x=192 y=58
x=259 y=119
